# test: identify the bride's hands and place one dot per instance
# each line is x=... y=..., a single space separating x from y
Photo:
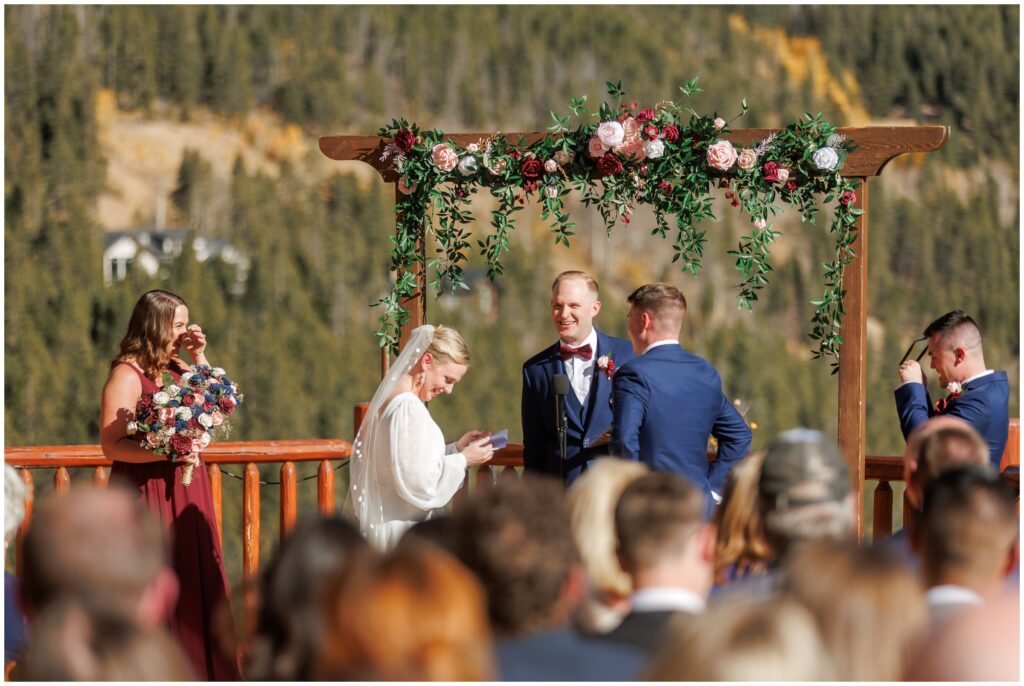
x=469 y=437
x=479 y=451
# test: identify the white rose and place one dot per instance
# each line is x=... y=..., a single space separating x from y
x=610 y=133
x=825 y=159
x=473 y=147
x=783 y=175
x=184 y=413
x=467 y=165
x=172 y=390
x=217 y=371
x=132 y=428
x=185 y=377
x=205 y=439
x=206 y=420
x=654 y=149
x=161 y=398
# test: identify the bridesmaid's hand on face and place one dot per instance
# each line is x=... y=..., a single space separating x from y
x=194 y=341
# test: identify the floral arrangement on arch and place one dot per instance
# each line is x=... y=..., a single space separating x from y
x=666 y=156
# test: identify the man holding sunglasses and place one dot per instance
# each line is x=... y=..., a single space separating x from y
x=976 y=394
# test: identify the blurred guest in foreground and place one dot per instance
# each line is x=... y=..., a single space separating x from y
x=15 y=494
x=967 y=539
x=869 y=607
x=293 y=594
x=415 y=614
x=741 y=548
x=518 y=541
x=592 y=500
x=743 y=639
x=667 y=549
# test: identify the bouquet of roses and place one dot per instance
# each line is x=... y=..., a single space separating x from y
x=181 y=418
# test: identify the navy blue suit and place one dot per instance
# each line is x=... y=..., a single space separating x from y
x=984 y=404
x=584 y=423
x=564 y=655
x=667 y=403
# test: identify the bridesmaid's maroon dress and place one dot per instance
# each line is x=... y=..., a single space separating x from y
x=187 y=514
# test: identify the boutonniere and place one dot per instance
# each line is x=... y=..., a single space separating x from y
x=954 y=388
x=606 y=363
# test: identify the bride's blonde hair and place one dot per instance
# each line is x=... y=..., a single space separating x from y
x=448 y=346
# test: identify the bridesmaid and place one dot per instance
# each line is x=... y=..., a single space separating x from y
x=156 y=333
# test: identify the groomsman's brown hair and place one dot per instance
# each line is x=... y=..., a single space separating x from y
x=664 y=302
x=582 y=276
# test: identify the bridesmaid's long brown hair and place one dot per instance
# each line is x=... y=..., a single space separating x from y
x=149 y=332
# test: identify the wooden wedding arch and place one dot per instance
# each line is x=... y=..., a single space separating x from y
x=876 y=146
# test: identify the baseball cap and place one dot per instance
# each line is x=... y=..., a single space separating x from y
x=803 y=467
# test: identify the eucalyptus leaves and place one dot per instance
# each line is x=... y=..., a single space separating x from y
x=668 y=157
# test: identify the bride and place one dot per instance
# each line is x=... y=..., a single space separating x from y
x=401 y=468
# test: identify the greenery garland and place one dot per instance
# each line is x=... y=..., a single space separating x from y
x=667 y=156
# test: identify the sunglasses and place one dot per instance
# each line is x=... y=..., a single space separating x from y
x=911 y=349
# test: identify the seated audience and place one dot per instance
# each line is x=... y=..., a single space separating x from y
x=74 y=640
x=592 y=499
x=15 y=493
x=980 y=644
x=517 y=539
x=803 y=495
x=740 y=548
x=934 y=447
x=667 y=549
x=869 y=607
x=414 y=614
x=743 y=639
x=967 y=539
x=293 y=592
x=102 y=547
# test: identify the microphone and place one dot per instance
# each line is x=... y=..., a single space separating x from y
x=560 y=385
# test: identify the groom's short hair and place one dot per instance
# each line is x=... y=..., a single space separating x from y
x=582 y=276
x=664 y=302
x=956 y=328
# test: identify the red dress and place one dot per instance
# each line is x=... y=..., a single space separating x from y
x=186 y=512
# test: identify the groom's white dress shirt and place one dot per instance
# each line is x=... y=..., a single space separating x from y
x=580 y=371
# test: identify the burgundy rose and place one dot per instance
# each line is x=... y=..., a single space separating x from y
x=189 y=400
x=405 y=139
x=194 y=424
x=531 y=168
x=847 y=198
x=791 y=185
x=651 y=131
x=208 y=407
x=665 y=186
x=771 y=172
x=609 y=165
x=645 y=115
x=142 y=407
x=227 y=404
x=181 y=444
x=671 y=133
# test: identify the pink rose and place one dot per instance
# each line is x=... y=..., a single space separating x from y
x=197 y=446
x=721 y=156
x=151 y=439
x=783 y=175
x=551 y=166
x=631 y=150
x=747 y=159
x=444 y=157
x=719 y=123
x=217 y=418
x=199 y=399
x=405 y=187
x=760 y=224
x=630 y=130
x=596 y=149
x=847 y=198
x=610 y=133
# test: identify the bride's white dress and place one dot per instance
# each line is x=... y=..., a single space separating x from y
x=415 y=472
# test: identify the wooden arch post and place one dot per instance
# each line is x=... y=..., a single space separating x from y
x=876 y=146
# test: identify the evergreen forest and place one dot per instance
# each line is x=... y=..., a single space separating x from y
x=297 y=334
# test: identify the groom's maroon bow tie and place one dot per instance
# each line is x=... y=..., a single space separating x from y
x=584 y=351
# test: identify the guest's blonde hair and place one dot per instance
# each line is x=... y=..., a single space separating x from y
x=741 y=542
x=592 y=499
x=448 y=346
x=582 y=276
x=742 y=639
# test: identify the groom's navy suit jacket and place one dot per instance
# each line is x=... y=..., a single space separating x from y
x=984 y=404
x=584 y=424
x=667 y=403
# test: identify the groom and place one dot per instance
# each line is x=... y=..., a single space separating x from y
x=588 y=357
x=669 y=401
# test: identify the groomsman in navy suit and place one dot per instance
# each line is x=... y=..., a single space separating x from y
x=668 y=401
x=589 y=358
x=976 y=394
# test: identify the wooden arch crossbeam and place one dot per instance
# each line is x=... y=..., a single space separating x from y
x=876 y=147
